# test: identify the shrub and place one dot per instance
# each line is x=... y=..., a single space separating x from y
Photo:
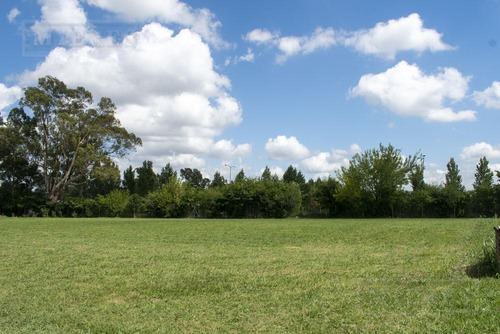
x=73 y=207
x=165 y=202
x=135 y=206
x=115 y=203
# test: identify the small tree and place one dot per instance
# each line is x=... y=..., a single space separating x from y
x=375 y=178
x=114 y=203
x=483 y=198
x=218 y=181
x=266 y=174
x=166 y=201
x=483 y=175
x=129 y=180
x=240 y=177
x=420 y=196
x=454 y=191
x=293 y=175
x=194 y=178
x=134 y=205
x=147 y=180
x=325 y=195
x=167 y=173
x=416 y=175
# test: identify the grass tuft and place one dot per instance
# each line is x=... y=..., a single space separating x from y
x=483 y=261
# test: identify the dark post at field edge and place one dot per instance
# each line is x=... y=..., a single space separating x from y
x=497 y=238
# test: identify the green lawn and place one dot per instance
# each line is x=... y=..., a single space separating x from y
x=331 y=276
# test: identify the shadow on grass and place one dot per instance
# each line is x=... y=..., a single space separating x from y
x=484 y=263
x=481 y=270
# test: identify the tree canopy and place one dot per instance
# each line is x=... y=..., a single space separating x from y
x=71 y=140
x=59 y=146
x=376 y=177
x=194 y=177
x=167 y=173
x=483 y=175
x=484 y=196
x=454 y=191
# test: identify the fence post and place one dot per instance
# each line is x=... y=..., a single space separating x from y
x=497 y=240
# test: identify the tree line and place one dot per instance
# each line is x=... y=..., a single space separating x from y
x=56 y=159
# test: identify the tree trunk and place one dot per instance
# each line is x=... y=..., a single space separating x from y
x=53 y=199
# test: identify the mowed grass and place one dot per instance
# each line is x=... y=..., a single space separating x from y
x=330 y=276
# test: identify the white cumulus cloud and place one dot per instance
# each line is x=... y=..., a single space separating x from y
x=324 y=163
x=9 y=95
x=177 y=161
x=479 y=150
x=11 y=16
x=181 y=161
x=293 y=45
x=405 y=90
x=225 y=149
x=261 y=36
x=66 y=17
x=355 y=149
x=495 y=167
x=434 y=175
x=490 y=97
x=165 y=87
x=386 y=39
x=69 y=18
x=281 y=148
x=248 y=57
x=202 y=21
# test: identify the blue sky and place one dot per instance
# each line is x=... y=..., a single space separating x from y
x=308 y=83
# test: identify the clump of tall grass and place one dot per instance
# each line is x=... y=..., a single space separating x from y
x=483 y=262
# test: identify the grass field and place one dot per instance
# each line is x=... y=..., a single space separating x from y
x=331 y=276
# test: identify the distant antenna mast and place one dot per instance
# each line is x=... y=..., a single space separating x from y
x=230 y=170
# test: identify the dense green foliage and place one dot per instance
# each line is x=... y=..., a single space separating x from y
x=483 y=199
x=378 y=183
x=56 y=160
x=374 y=180
x=245 y=276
